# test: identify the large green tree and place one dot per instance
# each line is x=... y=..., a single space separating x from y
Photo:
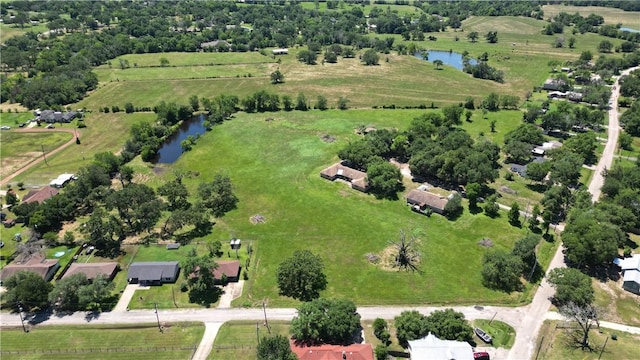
x=450 y=325
x=27 y=289
x=275 y=347
x=64 y=295
x=218 y=195
x=410 y=325
x=590 y=241
x=571 y=286
x=501 y=271
x=326 y=321
x=384 y=179
x=301 y=276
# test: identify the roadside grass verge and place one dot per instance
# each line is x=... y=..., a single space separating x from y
x=140 y=341
x=239 y=339
x=275 y=167
x=553 y=343
x=502 y=333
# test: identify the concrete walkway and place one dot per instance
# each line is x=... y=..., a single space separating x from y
x=230 y=292
x=127 y=295
x=206 y=344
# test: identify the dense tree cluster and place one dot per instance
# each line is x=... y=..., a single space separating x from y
x=630 y=119
x=445 y=324
x=326 y=321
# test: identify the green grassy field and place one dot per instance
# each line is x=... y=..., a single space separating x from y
x=503 y=334
x=610 y=15
x=141 y=341
x=617 y=304
x=275 y=170
x=104 y=132
x=552 y=344
x=10 y=30
x=238 y=339
x=19 y=149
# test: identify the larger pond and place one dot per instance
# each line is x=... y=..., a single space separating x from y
x=172 y=149
x=629 y=30
x=450 y=58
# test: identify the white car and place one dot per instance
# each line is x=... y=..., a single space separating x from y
x=5 y=127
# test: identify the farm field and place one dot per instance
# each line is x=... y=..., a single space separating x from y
x=26 y=147
x=142 y=341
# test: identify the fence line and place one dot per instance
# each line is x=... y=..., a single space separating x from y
x=96 y=350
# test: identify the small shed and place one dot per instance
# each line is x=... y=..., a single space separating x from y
x=173 y=246
x=280 y=51
x=235 y=244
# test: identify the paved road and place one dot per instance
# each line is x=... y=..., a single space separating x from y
x=612 y=140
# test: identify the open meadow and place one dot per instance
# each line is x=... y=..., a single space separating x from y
x=275 y=165
x=141 y=341
x=611 y=15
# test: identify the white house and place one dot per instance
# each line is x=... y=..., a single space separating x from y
x=432 y=348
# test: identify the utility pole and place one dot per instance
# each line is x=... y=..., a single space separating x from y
x=539 y=346
x=157 y=316
x=603 y=346
x=266 y=322
x=493 y=317
x=21 y=318
x=174 y=297
x=43 y=155
x=258 y=332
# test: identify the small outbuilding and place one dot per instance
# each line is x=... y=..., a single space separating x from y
x=280 y=51
x=630 y=268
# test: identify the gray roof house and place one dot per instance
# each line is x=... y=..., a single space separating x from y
x=153 y=272
x=631 y=270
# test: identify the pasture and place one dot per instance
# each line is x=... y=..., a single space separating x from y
x=140 y=341
x=611 y=15
x=19 y=149
x=553 y=343
x=275 y=167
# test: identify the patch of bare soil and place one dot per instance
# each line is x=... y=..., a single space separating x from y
x=386 y=258
x=257 y=219
x=328 y=138
x=11 y=164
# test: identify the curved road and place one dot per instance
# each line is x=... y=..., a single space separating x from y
x=39 y=159
x=526 y=320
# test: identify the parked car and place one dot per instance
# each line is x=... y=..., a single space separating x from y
x=22 y=125
x=1 y=244
x=50 y=126
x=481 y=355
x=89 y=250
x=5 y=127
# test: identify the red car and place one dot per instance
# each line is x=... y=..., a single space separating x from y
x=481 y=355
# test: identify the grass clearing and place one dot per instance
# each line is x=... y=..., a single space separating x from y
x=239 y=339
x=8 y=31
x=275 y=167
x=552 y=344
x=19 y=149
x=611 y=15
x=104 y=132
x=502 y=333
x=140 y=341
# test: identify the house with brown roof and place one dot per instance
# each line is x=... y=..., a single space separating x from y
x=422 y=200
x=41 y=195
x=356 y=178
x=92 y=270
x=333 y=352
x=230 y=268
x=46 y=268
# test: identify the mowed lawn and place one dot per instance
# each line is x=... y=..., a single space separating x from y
x=239 y=339
x=275 y=165
x=141 y=341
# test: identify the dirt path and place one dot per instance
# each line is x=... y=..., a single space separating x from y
x=37 y=160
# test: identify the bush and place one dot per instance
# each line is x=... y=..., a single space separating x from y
x=381 y=352
x=379 y=325
x=184 y=287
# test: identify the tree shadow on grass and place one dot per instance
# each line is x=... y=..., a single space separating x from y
x=539 y=188
x=205 y=297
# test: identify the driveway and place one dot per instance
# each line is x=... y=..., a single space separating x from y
x=206 y=344
x=230 y=292
x=127 y=295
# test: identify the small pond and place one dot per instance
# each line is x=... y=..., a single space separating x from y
x=629 y=30
x=171 y=149
x=450 y=58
